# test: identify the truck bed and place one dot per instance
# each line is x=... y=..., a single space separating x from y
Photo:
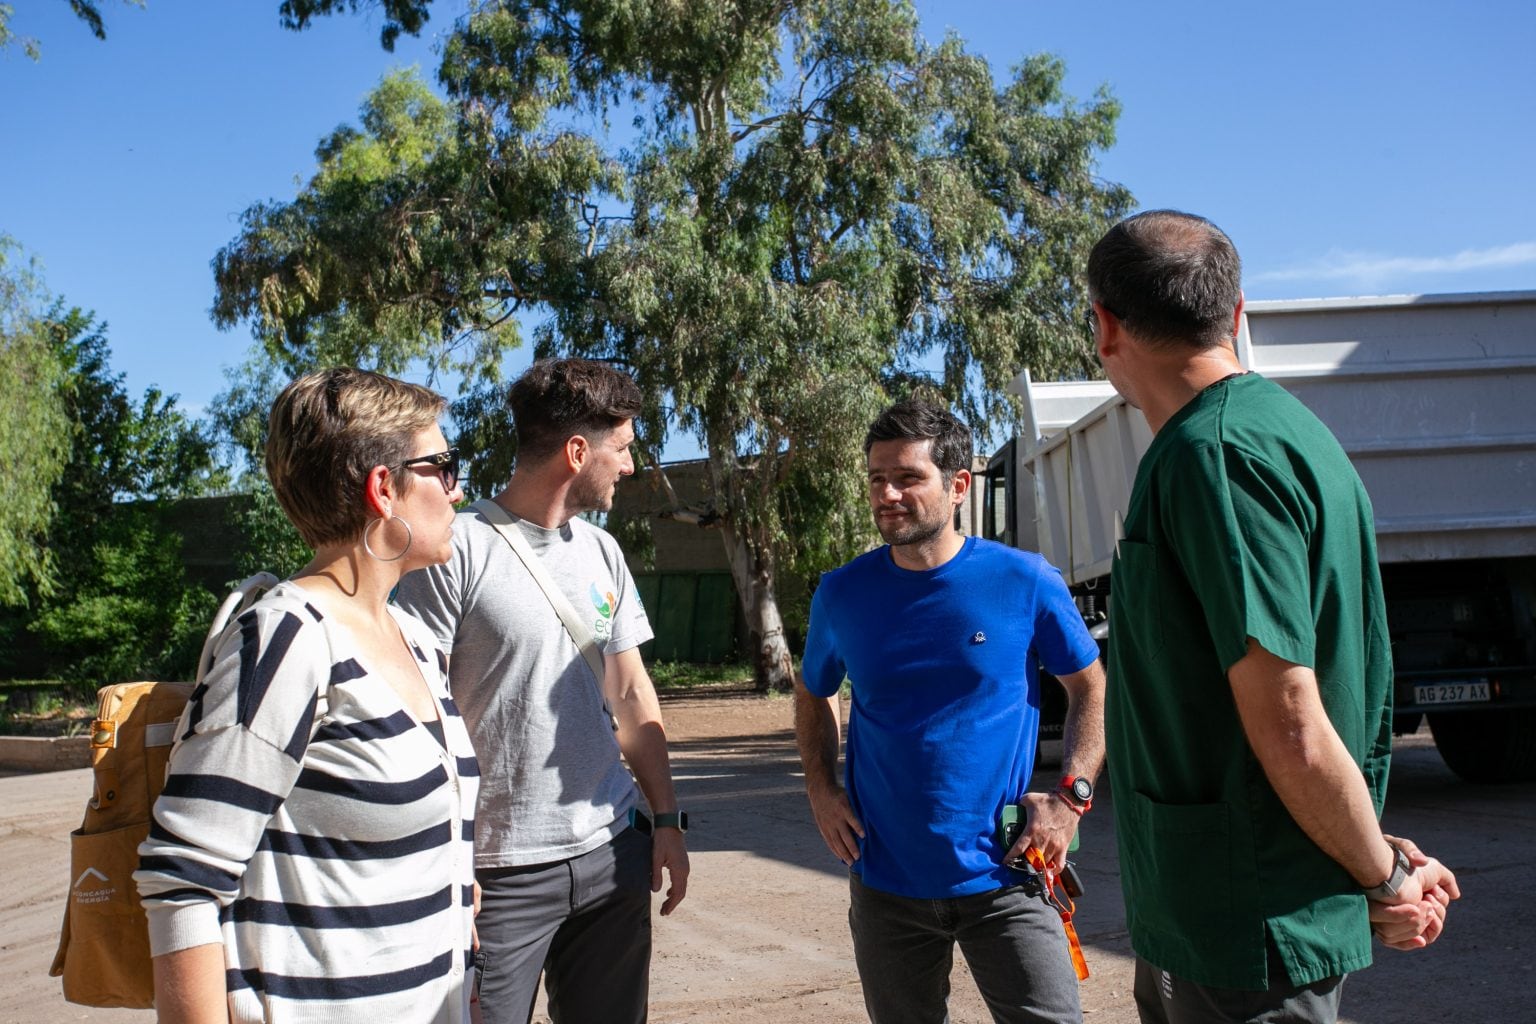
x=1433 y=398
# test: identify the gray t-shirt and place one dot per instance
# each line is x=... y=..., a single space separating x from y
x=552 y=784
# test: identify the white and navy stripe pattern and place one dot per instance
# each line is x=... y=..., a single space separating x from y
x=333 y=859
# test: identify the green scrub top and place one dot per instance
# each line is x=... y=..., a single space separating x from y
x=1246 y=520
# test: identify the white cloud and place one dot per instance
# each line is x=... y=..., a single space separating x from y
x=1372 y=268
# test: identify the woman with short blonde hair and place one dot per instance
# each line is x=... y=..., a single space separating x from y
x=311 y=857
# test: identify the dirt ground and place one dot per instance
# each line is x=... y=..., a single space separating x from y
x=763 y=934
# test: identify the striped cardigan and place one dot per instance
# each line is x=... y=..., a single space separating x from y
x=333 y=859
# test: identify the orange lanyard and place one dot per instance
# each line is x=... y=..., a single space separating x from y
x=1064 y=906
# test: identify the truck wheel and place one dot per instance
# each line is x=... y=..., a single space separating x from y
x=1496 y=747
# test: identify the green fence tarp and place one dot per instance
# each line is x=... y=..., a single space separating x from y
x=692 y=613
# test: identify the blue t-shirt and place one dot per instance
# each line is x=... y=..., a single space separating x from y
x=946 y=704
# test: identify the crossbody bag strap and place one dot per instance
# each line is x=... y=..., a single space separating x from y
x=579 y=632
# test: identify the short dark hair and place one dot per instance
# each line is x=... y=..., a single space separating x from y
x=1170 y=277
x=913 y=420
x=556 y=399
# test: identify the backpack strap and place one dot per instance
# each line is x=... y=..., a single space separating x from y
x=247 y=593
x=575 y=625
x=251 y=590
x=240 y=600
x=164 y=734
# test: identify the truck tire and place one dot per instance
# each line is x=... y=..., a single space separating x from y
x=1495 y=747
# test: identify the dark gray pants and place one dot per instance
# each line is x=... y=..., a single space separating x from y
x=585 y=923
x=1162 y=998
x=1012 y=940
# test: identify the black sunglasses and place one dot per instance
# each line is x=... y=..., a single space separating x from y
x=447 y=464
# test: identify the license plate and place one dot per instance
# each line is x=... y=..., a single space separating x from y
x=1450 y=693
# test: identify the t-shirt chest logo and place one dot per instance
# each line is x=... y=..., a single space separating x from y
x=604 y=602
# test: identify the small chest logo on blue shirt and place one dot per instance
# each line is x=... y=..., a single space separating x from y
x=979 y=637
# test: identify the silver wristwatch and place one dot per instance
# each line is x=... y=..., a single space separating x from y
x=1401 y=869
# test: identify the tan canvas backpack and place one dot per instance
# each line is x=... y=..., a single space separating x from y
x=103 y=953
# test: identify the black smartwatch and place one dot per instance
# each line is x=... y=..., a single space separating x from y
x=673 y=819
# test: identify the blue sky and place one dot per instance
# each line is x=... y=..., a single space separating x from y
x=1348 y=148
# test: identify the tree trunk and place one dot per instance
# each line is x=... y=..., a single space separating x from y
x=752 y=567
x=752 y=571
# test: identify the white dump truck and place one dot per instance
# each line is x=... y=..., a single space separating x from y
x=1433 y=397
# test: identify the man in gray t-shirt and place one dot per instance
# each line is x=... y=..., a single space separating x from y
x=564 y=857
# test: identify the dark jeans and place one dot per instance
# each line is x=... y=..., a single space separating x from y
x=1011 y=939
x=1162 y=998
x=585 y=923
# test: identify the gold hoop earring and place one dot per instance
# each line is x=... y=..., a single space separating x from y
x=410 y=537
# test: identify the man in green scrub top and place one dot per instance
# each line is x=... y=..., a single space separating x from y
x=1249 y=716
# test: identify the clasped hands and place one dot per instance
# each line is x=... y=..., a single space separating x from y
x=1416 y=917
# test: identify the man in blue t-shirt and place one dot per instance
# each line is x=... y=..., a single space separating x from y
x=939 y=635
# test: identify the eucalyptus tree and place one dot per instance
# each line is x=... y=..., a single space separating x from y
x=809 y=209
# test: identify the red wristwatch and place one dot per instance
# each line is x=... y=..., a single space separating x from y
x=1076 y=791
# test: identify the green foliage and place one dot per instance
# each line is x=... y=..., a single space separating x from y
x=8 y=37
x=75 y=448
x=688 y=675
x=125 y=608
x=239 y=414
x=129 y=613
x=123 y=450
x=633 y=532
x=9 y=688
x=487 y=435
x=816 y=206
x=34 y=429
x=271 y=544
x=46 y=707
x=364 y=267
